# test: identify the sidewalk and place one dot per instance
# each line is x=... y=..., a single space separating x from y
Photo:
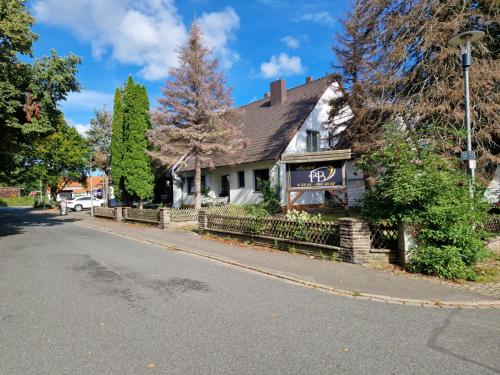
x=340 y=278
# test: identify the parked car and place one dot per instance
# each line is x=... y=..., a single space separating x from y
x=113 y=202
x=81 y=203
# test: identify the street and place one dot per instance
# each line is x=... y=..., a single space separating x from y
x=79 y=301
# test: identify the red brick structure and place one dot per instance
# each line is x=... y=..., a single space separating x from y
x=10 y=192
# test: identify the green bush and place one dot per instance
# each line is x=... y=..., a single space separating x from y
x=271 y=196
x=446 y=262
x=412 y=183
x=18 y=201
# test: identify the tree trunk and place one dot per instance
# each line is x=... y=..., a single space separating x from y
x=105 y=190
x=197 y=183
x=53 y=193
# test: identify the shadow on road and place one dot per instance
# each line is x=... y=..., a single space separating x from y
x=14 y=220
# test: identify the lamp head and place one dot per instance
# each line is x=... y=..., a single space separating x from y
x=466 y=37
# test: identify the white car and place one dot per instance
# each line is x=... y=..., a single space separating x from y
x=80 y=203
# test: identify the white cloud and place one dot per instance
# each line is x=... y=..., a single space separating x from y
x=281 y=65
x=80 y=128
x=141 y=32
x=323 y=18
x=291 y=42
x=219 y=28
x=87 y=99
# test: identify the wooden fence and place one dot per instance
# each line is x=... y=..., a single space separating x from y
x=138 y=214
x=493 y=224
x=322 y=234
x=104 y=212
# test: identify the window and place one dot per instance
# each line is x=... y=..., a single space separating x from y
x=190 y=184
x=259 y=176
x=84 y=199
x=224 y=183
x=312 y=141
x=241 y=179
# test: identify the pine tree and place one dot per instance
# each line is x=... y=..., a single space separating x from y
x=137 y=171
x=117 y=144
x=194 y=117
x=414 y=74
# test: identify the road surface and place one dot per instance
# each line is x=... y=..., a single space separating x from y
x=79 y=301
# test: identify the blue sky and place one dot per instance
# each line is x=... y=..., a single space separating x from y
x=256 y=41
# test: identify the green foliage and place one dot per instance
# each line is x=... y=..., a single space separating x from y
x=271 y=196
x=58 y=158
x=413 y=184
x=136 y=164
x=18 y=201
x=99 y=137
x=302 y=231
x=29 y=92
x=117 y=143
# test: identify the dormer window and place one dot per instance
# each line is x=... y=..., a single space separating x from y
x=312 y=141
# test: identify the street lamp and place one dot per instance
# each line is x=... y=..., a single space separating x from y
x=91 y=188
x=464 y=41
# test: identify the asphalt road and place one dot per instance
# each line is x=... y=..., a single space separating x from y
x=78 y=301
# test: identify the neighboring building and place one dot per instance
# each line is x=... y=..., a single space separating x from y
x=10 y=192
x=76 y=188
x=284 y=122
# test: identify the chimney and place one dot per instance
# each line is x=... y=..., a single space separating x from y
x=309 y=79
x=278 y=92
x=266 y=95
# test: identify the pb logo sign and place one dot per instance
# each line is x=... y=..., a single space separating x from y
x=321 y=174
x=318 y=174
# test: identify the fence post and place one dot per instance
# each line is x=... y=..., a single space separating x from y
x=164 y=217
x=406 y=243
x=124 y=213
x=202 y=221
x=354 y=240
x=118 y=214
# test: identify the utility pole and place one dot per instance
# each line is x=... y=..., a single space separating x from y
x=91 y=189
x=464 y=41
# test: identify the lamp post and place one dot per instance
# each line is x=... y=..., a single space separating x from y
x=464 y=41
x=91 y=189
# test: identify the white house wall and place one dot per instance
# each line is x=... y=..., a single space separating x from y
x=247 y=195
x=316 y=121
x=237 y=195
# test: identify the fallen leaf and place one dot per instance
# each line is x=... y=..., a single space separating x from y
x=151 y=365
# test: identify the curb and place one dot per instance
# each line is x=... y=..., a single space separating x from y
x=485 y=304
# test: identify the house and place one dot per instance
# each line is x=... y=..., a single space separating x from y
x=77 y=188
x=285 y=122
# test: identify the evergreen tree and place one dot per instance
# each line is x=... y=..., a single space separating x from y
x=137 y=171
x=117 y=144
x=413 y=74
x=194 y=116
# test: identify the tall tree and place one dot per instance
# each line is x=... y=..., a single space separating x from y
x=29 y=92
x=117 y=144
x=58 y=158
x=194 y=117
x=137 y=170
x=99 y=138
x=414 y=74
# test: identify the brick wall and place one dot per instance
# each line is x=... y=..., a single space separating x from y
x=8 y=192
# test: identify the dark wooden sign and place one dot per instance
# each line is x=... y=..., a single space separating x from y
x=321 y=174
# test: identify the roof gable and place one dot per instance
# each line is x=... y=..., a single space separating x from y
x=270 y=128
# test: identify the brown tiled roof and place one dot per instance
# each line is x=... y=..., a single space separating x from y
x=269 y=129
